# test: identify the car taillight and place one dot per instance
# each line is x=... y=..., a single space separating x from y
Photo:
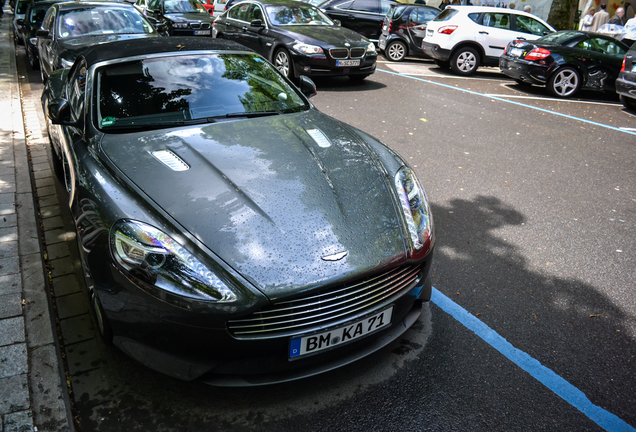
x=537 y=54
x=447 y=29
x=623 y=67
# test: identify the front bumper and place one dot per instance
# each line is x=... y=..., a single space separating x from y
x=317 y=66
x=435 y=52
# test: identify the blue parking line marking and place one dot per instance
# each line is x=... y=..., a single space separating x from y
x=509 y=101
x=545 y=376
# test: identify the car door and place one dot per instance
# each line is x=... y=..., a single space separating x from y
x=45 y=44
x=417 y=21
x=235 y=22
x=154 y=12
x=603 y=58
x=257 y=38
x=495 y=32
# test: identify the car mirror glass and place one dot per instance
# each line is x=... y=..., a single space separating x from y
x=43 y=33
x=59 y=111
x=256 y=23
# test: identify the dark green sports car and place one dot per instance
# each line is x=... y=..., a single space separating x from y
x=229 y=231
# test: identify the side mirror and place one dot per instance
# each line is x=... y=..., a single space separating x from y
x=256 y=23
x=43 y=34
x=336 y=22
x=19 y=22
x=307 y=86
x=59 y=111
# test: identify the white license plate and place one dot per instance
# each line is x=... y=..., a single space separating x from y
x=346 y=63
x=202 y=32
x=318 y=342
x=516 y=52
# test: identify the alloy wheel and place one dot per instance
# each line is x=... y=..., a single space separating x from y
x=466 y=62
x=396 y=51
x=566 y=82
x=281 y=61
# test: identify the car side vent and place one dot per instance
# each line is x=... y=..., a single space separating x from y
x=320 y=138
x=170 y=160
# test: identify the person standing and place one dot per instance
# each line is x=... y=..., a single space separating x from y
x=618 y=17
x=601 y=17
x=444 y=5
x=587 y=20
x=527 y=8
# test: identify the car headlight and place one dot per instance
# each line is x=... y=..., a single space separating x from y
x=416 y=209
x=156 y=259
x=371 y=48
x=180 y=25
x=308 y=49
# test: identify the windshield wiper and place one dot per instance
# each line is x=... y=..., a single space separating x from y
x=159 y=125
x=247 y=114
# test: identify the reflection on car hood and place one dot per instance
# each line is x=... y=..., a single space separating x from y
x=269 y=199
x=79 y=43
x=189 y=16
x=332 y=35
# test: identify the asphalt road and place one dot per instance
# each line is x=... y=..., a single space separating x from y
x=534 y=202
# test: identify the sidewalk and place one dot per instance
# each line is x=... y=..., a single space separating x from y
x=33 y=395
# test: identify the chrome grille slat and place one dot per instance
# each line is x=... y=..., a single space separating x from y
x=363 y=306
x=324 y=305
x=329 y=306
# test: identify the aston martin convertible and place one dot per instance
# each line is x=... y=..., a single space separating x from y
x=230 y=232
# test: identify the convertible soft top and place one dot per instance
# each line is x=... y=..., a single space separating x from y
x=149 y=46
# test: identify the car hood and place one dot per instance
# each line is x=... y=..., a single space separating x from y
x=71 y=47
x=189 y=17
x=332 y=35
x=270 y=200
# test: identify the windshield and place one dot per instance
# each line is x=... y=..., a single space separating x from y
x=302 y=14
x=181 y=6
x=189 y=89
x=102 y=20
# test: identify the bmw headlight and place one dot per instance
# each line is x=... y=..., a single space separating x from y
x=371 y=48
x=65 y=63
x=416 y=209
x=156 y=259
x=308 y=49
x=180 y=25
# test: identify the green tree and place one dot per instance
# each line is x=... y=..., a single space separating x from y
x=562 y=14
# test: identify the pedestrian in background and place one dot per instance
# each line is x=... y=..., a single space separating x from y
x=618 y=17
x=444 y=5
x=587 y=20
x=512 y=6
x=527 y=8
x=600 y=17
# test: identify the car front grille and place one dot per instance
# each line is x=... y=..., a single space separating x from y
x=328 y=307
x=345 y=53
x=197 y=26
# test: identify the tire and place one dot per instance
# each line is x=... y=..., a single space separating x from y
x=35 y=65
x=282 y=62
x=628 y=103
x=396 y=51
x=444 y=64
x=358 y=78
x=565 y=82
x=103 y=326
x=465 y=61
x=58 y=168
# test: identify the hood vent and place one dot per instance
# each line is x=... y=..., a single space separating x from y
x=320 y=138
x=170 y=160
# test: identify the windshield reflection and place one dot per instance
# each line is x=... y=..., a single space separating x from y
x=181 y=89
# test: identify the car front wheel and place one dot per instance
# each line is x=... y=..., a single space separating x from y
x=628 y=103
x=465 y=61
x=564 y=82
x=282 y=61
x=395 y=51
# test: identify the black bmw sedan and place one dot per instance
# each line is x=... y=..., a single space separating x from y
x=298 y=39
x=565 y=62
x=229 y=231
x=179 y=17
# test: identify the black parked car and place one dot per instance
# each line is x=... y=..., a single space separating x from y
x=298 y=38
x=30 y=25
x=362 y=16
x=71 y=27
x=180 y=17
x=626 y=81
x=229 y=231
x=565 y=62
x=403 y=29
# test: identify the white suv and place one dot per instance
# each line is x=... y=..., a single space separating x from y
x=466 y=37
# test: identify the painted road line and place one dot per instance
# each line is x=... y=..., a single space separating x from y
x=545 y=376
x=510 y=102
x=551 y=99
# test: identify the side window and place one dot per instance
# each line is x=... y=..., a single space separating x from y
x=49 y=19
x=239 y=12
x=384 y=6
x=366 y=6
x=413 y=19
x=256 y=13
x=154 y=5
x=77 y=89
x=602 y=45
x=344 y=5
x=530 y=25
x=497 y=20
x=426 y=15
